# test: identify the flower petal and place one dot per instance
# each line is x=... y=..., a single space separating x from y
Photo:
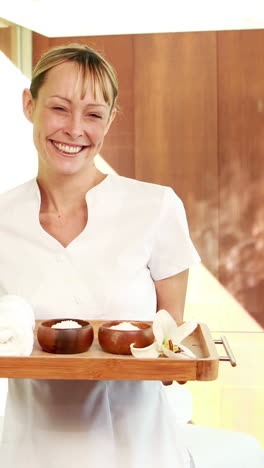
x=163 y=326
x=188 y=352
x=185 y=354
x=151 y=351
x=178 y=334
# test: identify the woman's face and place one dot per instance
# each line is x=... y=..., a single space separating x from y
x=68 y=131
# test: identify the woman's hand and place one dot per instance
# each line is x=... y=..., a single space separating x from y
x=170 y=382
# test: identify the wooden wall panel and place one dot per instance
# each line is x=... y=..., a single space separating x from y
x=8 y=42
x=241 y=176
x=5 y=41
x=118 y=149
x=176 y=126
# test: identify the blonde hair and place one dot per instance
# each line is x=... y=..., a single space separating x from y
x=91 y=63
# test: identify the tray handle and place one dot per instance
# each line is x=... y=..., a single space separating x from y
x=230 y=356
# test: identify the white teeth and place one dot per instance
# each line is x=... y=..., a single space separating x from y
x=67 y=149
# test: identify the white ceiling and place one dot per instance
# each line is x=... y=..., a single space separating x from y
x=56 y=18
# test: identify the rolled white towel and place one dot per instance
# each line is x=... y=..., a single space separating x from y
x=17 y=323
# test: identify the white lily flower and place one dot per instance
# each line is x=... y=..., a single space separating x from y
x=168 y=338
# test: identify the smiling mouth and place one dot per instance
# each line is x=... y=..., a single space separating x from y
x=69 y=150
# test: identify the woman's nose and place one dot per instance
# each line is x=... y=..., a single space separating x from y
x=74 y=127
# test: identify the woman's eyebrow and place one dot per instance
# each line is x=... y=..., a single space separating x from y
x=60 y=97
x=92 y=104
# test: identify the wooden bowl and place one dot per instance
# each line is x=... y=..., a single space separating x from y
x=65 y=340
x=118 y=341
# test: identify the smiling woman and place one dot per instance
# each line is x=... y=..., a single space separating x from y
x=72 y=108
x=71 y=103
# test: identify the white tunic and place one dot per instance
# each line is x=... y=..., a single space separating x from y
x=136 y=232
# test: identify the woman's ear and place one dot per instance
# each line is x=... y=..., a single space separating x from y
x=28 y=104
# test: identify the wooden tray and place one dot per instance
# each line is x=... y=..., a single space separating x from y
x=95 y=364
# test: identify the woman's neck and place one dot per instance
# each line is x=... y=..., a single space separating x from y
x=60 y=194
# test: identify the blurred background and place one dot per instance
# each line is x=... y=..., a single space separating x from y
x=192 y=117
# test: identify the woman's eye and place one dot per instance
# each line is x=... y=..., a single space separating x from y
x=96 y=116
x=59 y=108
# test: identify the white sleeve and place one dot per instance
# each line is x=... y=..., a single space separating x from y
x=173 y=250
